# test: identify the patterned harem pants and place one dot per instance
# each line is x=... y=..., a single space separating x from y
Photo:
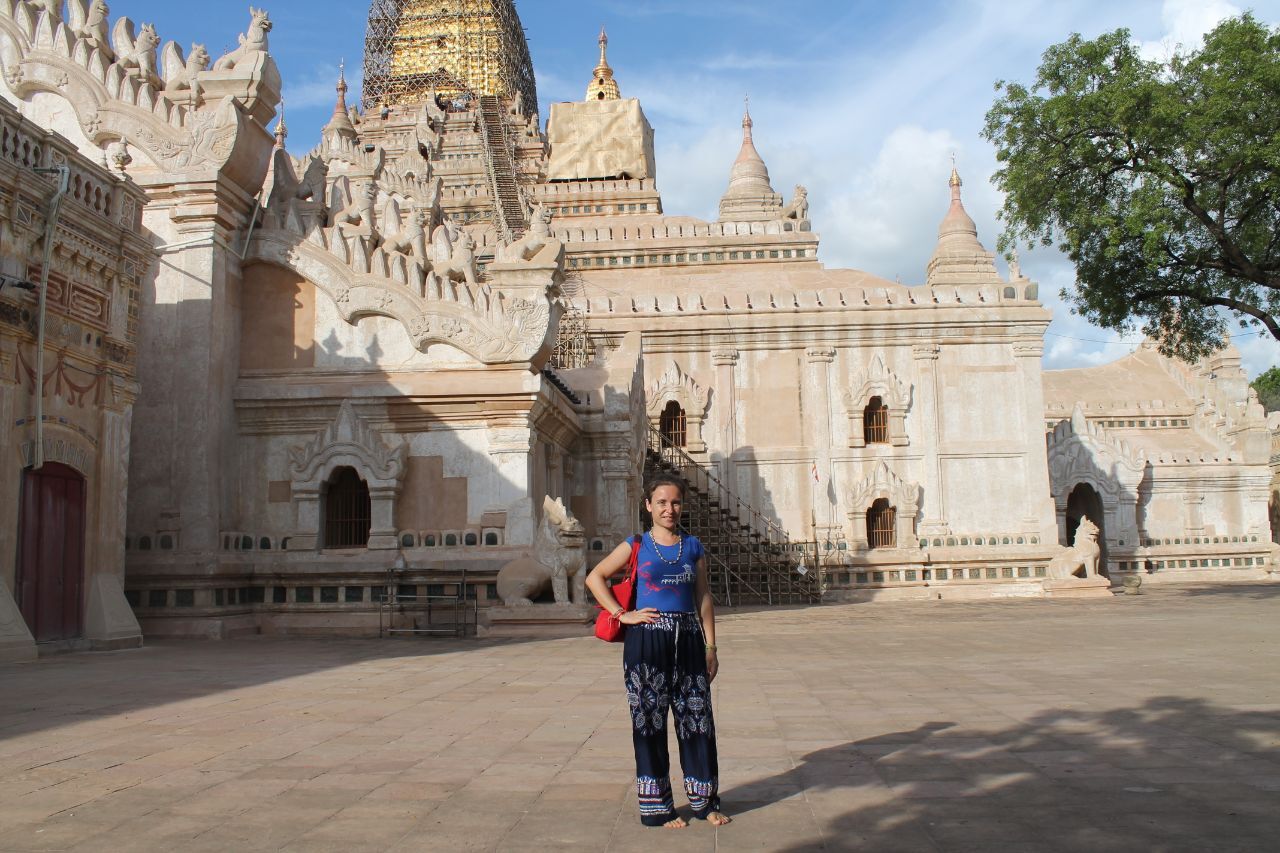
x=664 y=665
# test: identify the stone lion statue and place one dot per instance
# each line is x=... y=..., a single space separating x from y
x=559 y=558
x=1081 y=559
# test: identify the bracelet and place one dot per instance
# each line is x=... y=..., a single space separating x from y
x=711 y=647
x=616 y=615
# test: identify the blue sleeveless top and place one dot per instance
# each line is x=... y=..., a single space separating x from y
x=662 y=581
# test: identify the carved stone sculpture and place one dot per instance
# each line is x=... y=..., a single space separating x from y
x=412 y=240
x=454 y=261
x=137 y=56
x=252 y=42
x=181 y=74
x=52 y=8
x=1081 y=559
x=358 y=217
x=538 y=247
x=91 y=26
x=559 y=559
x=798 y=209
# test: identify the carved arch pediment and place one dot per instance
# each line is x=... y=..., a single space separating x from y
x=884 y=483
x=878 y=381
x=675 y=384
x=347 y=440
x=1083 y=452
x=483 y=323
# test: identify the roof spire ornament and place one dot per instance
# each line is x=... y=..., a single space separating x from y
x=603 y=87
x=750 y=197
x=340 y=123
x=959 y=258
x=281 y=130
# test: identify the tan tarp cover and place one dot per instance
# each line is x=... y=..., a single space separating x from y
x=599 y=139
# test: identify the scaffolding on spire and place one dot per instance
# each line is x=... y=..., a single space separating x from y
x=457 y=49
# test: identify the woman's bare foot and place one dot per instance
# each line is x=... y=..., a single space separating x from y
x=675 y=823
x=718 y=818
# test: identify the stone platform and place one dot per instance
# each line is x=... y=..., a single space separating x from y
x=1147 y=722
x=538 y=621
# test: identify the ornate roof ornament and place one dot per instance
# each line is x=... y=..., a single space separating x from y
x=750 y=196
x=340 y=123
x=603 y=87
x=959 y=258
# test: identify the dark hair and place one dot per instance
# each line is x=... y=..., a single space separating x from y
x=664 y=480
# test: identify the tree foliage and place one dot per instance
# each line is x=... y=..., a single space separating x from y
x=1160 y=180
x=1268 y=387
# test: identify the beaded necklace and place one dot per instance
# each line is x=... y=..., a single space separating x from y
x=658 y=550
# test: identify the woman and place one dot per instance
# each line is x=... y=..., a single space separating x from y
x=668 y=659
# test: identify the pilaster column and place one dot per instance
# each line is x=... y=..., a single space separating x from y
x=726 y=400
x=816 y=390
x=511 y=452
x=188 y=358
x=935 y=506
x=109 y=620
x=1041 y=512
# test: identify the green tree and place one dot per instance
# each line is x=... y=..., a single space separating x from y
x=1160 y=180
x=1268 y=387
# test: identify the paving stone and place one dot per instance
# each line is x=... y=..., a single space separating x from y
x=916 y=726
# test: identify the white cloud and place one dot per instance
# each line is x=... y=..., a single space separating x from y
x=1186 y=22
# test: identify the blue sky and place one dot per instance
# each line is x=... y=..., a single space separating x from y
x=863 y=102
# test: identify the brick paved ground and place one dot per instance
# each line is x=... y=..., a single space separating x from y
x=1140 y=723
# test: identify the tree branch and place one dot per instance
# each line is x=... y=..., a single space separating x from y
x=1220 y=301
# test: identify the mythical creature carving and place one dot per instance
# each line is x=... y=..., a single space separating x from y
x=91 y=26
x=559 y=559
x=251 y=43
x=181 y=74
x=537 y=247
x=412 y=239
x=454 y=260
x=358 y=217
x=52 y=8
x=1081 y=559
x=137 y=56
x=798 y=209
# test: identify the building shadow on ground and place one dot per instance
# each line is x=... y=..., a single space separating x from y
x=1171 y=774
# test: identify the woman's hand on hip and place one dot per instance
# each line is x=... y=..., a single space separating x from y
x=639 y=617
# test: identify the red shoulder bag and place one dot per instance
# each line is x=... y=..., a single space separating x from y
x=607 y=628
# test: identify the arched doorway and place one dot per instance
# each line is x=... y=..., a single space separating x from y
x=672 y=424
x=347 y=510
x=50 y=577
x=1085 y=502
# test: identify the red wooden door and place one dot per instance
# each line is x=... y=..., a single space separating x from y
x=51 y=552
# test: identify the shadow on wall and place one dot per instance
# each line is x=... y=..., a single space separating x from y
x=1171 y=774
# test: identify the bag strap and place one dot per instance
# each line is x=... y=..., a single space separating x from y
x=633 y=566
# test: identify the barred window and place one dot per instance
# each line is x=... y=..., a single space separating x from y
x=875 y=422
x=346 y=510
x=880 y=525
x=672 y=424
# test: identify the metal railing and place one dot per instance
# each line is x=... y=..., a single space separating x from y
x=757 y=534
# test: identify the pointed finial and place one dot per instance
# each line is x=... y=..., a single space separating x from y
x=281 y=130
x=604 y=43
x=747 y=123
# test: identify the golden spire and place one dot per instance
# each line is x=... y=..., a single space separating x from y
x=281 y=130
x=603 y=87
x=417 y=49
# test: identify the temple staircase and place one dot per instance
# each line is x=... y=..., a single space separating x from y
x=508 y=208
x=750 y=559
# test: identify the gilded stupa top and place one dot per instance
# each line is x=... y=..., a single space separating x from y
x=603 y=87
x=452 y=48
